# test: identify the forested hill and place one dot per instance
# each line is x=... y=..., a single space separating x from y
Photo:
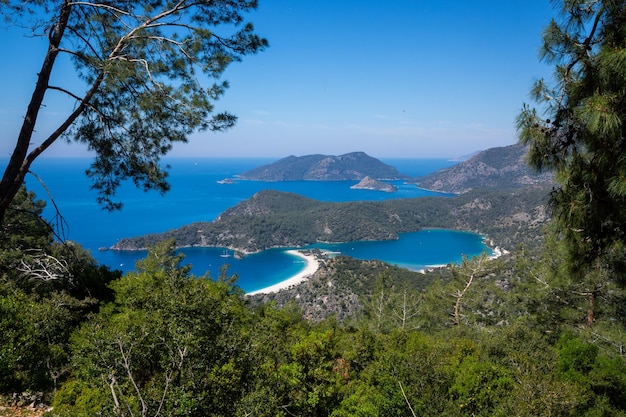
x=350 y=166
x=278 y=219
x=502 y=167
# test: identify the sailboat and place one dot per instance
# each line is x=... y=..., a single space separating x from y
x=225 y=254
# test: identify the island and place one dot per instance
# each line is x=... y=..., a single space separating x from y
x=350 y=166
x=368 y=183
x=507 y=213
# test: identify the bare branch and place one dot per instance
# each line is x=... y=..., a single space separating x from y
x=43 y=267
x=64 y=91
x=116 y=403
x=473 y=270
x=108 y=7
x=169 y=376
x=406 y=399
x=406 y=311
x=126 y=365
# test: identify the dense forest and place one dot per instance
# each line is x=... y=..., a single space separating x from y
x=487 y=337
x=540 y=331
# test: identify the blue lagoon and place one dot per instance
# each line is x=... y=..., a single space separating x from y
x=198 y=195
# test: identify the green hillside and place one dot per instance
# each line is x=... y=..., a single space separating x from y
x=274 y=219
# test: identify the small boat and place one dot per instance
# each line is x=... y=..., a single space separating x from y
x=225 y=254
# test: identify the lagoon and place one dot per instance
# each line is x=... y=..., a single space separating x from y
x=196 y=195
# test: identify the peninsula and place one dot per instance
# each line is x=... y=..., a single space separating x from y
x=503 y=167
x=272 y=219
x=507 y=213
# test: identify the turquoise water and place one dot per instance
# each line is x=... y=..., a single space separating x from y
x=196 y=196
x=416 y=251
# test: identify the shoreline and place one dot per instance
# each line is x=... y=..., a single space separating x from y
x=312 y=265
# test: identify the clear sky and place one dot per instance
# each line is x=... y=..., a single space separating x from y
x=396 y=78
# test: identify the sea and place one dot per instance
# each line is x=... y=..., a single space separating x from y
x=197 y=194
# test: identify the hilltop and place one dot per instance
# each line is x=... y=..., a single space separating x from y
x=503 y=168
x=350 y=166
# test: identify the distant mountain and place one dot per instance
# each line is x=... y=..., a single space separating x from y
x=500 y=168
x=351 y=166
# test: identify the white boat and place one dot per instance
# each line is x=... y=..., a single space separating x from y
x=225 y=254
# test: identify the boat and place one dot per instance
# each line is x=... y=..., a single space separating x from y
x=225 y=254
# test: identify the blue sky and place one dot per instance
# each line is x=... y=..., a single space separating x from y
x=398 y=78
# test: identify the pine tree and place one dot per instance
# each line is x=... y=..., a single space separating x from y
x=142 y=64
x=578 y=131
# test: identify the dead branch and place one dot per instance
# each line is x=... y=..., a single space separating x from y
x=43 y=267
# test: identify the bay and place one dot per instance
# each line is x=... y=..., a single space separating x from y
x=196 y=195
x=416 y=251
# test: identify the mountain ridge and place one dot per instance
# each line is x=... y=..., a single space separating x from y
x=500 y=167
x=318 y=167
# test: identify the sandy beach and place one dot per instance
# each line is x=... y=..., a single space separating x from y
x=312 y=264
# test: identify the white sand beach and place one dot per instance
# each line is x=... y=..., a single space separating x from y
x=498 y=252
x=312 y=264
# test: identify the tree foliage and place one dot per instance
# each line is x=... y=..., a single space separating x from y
x=33 y=260
x=579 y=129
x=46 y=290
x=142 y=65
x=485 y=338
x=170 y=343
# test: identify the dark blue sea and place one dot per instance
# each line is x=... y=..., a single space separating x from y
x=196 y=195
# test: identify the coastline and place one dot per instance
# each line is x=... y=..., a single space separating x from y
x=312 y=265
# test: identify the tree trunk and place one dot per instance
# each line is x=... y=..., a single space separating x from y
x=19 y=164
x=457 y=304
x=591 y=308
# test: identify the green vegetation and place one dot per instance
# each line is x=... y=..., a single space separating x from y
x=580 y=136
x=273 y=218
x=487 y=337
x=537 y=332
x=46 y=290
x=140 y=63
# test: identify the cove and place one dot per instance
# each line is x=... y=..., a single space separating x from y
x=197 y=195
x=415 y=251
